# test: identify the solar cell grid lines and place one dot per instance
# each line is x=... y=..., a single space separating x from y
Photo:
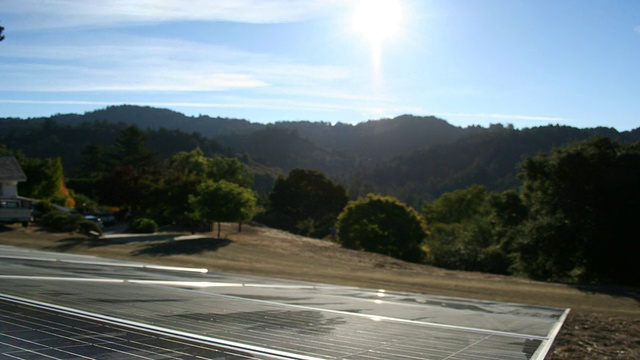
x=193 y=314
x=30 y=332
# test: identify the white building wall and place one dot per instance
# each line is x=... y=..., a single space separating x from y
x=9 y=190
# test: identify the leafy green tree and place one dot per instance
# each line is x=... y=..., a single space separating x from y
x=168 y=197
x=583 y=213
x=464 y=227
x=509 y=210
x=45 y=180
x=222 y=201
x=309 y=200
x=458 y=206
x=212 y=168
x=383 y=225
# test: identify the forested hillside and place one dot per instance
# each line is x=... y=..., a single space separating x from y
x=488 y=158
x=413 y=158
x=551 y=203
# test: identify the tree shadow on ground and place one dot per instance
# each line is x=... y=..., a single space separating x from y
x=613 y=290
x=76 y=242
x=182 y=247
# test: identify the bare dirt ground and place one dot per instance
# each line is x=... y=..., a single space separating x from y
x=604 y=322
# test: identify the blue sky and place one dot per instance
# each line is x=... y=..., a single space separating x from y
x=523 y=62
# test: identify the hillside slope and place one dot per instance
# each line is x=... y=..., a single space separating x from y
x=411 y=157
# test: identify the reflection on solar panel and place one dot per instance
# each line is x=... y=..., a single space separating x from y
x=191 y=312
x=29 y=332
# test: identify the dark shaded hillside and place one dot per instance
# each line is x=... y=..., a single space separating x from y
x=378 y=139
x=489 y=158
x=50 y=139
x=283 y=148
x=153 y=118
x=411 y=157
x=365 y=143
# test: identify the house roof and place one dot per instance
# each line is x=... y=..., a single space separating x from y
x=10 y=170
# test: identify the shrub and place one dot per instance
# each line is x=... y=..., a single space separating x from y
x=143 y=226
x=383 y=225
x=88 y=227
x=56 y=220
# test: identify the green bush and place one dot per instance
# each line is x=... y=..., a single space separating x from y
x=383 y=225
x=56 y=220
x=143 y=226
x=42 y=208
x=88 y=227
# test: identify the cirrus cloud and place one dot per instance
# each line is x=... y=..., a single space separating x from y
x=52 y=14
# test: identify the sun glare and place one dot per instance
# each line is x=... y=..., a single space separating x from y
x=377 y=20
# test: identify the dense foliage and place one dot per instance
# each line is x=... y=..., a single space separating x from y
x=56 y=220
x=222 y=201
x=129 y=176
x=305 y=202
x=462 y=237
x=583 y=213
x=383 y=225
x=143 y=225
x=575 y=218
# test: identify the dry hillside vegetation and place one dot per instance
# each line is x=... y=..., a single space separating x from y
x=604 y=322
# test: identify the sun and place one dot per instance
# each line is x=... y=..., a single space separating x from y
x=377 y=20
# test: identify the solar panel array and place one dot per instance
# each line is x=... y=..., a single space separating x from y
x=30 y=332
x=274 y=318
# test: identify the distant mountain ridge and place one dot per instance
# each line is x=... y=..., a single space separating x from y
x=412 y=157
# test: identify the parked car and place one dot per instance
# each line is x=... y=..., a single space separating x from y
x=107 y=217
x=95 y=219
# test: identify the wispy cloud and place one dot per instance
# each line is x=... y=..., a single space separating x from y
x=127 y=63
x=505 y=116
x=51 y=14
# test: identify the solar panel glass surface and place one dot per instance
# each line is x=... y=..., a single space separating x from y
x=276 y=317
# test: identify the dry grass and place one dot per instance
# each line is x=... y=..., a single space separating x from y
x=604 y=322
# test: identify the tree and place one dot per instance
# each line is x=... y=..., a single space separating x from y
x=583 y=219
x=383 y=225
x=216 y=168
x=130 y=149
x=1 y=30
x=462 y=225
x=458 y=206
x=94 y=161
x=168 y=198
x=309 y=199
x=222 y=201
x=132 y=170
x=45 y=180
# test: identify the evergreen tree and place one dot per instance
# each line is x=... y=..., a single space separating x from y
x=130 y=149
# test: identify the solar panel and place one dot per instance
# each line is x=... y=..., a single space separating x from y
x=33 y=332
x=277 y=318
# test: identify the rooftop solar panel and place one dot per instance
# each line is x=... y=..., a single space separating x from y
x=275 y=317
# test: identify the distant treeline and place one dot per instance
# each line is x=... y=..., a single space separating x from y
x=412 y=158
